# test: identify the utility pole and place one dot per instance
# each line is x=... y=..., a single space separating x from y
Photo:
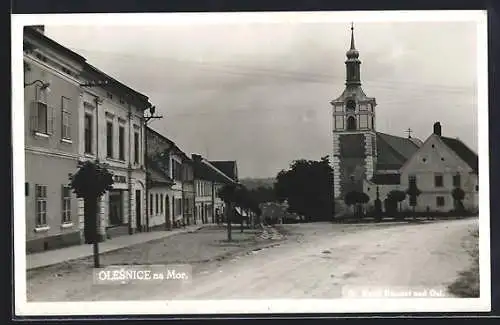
x=147 y=119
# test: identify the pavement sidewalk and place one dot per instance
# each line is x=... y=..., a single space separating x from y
x=56 y=256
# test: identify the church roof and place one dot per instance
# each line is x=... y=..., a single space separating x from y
x=355 y=90
x=393 y=151
x=466 y=154
x=386 y=179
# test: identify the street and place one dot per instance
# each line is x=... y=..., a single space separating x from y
x=315 y=261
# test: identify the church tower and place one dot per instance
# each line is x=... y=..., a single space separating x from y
x=354 y=136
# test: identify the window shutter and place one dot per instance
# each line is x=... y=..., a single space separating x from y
x=34 y=116
x=51 y=116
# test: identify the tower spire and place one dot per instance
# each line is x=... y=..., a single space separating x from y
x=353 y=62
x=353 y=47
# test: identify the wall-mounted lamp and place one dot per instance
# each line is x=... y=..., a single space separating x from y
x=44 y=85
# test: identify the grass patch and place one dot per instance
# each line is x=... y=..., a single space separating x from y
x=467 y=284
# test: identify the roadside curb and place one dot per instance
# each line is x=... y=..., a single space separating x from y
x=168 y=234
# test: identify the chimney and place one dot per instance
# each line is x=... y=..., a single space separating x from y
x=437 y=129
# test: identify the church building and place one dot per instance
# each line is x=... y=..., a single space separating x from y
x=376 y=163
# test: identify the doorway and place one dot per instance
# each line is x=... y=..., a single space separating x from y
x=115 y=208
x=138 y=214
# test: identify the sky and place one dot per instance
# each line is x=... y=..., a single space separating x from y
x=259 y=93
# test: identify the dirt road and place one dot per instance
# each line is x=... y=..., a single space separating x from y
x=316 y=261
x=321 y=264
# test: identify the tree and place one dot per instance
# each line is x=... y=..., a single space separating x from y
x=90 y=182
x=458 y=196
x=228 y=194
x=356 y=198
x=413 y=192
x=396 y=197
x=307 y=186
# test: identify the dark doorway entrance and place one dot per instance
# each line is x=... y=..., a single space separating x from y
x=138 y=214
x=115 y=208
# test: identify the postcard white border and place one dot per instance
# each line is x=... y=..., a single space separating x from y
x=23 y=308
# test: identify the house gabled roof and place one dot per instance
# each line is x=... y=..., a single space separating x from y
x=393 y=151
x=466 y=154
x=227 y=167
x=156 y=175
x=206 y=170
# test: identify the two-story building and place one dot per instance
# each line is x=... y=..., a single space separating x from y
x=52 y=114
x=177 y=190
x=437 y=167
x=112 y=130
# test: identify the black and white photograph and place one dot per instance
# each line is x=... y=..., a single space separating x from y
x=271 y=162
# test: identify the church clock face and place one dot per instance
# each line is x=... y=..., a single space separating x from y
x=350 y=105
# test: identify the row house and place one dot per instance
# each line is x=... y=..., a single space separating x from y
x=52 y=113
x=70 y=118
x=112 y=131
x=171 y=193
x=209 y=207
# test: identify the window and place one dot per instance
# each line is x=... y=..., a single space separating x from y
x=109 y=139
x=136 y=147
x=156 y=203
x=40 y=112
x=178 y=206
x=438 y=180
x=161 y=203
x=66 y=204
x=363 y=121
x=88 y=133
x=412 y=179
x=351 y=123
x=151 y=204
x=440 y=201
x=177 y=170
x=339 y=122
x=456 y=180
x=41 y=205
x=65 y=118
x=121 y=143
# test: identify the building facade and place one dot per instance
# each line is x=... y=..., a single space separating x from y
x=51 y=107
x=179 y=196
x=209 y=180
x=204 y=200
x=439 y=166
x=112 y=130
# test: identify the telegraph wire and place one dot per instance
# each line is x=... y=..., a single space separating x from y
x=235 y=69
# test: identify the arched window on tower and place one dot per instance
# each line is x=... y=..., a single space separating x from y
x=351 y=123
